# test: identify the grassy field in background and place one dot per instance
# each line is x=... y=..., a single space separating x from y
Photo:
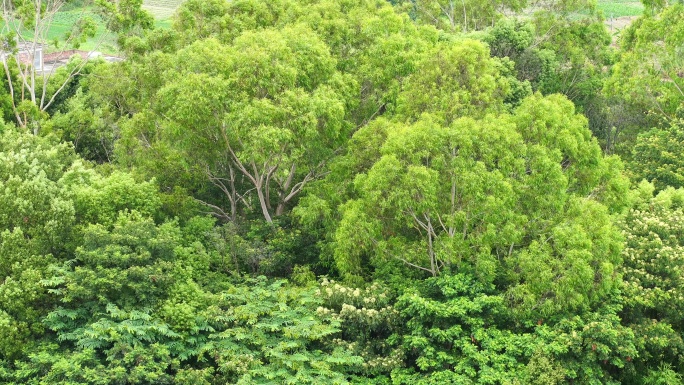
x=162 y=10
x=620 y=8
x=64 y=21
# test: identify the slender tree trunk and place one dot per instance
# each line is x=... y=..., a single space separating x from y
x=431 y=248
x=262 y=202
x=280 y=209
x=233 y=195
x=283 y=197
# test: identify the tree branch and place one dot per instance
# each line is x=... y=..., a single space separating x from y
x=216 y=211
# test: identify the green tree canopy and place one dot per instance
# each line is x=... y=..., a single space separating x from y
x=503 y=196
x=254 y=126
x=36 y=219
x=47 y=197
x=656 y=157
x=650 y=72
x=454 y=80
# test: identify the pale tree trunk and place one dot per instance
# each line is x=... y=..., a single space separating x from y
x=261 y=176
x=255 y=177
x=262 y=200
x=426 y=224
x=288 y=190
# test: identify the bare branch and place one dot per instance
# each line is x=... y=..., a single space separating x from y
x=402 y=259
x=441 y=223
x=75 y=72
x=216 y=211
x=297 y=188
x=414 y=265
x=418 y=221
x=240 y=166
x=218 y=182
x=45 y=12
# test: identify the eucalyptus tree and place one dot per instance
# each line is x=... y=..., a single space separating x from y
x=650 y=71
x=261 y=115
x=503 y=196
x=339 y=65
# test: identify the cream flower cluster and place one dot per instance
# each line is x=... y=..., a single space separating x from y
x=335 y=295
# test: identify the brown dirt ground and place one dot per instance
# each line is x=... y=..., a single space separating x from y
x=618 y=24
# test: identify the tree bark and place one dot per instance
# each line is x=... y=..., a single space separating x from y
x=262 y=202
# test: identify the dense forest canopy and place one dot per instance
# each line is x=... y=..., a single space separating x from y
x=342 y=192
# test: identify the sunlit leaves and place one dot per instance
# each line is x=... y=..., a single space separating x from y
x=457 y=80
x=656 y=157
x=502 y=197
x=654 y=254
